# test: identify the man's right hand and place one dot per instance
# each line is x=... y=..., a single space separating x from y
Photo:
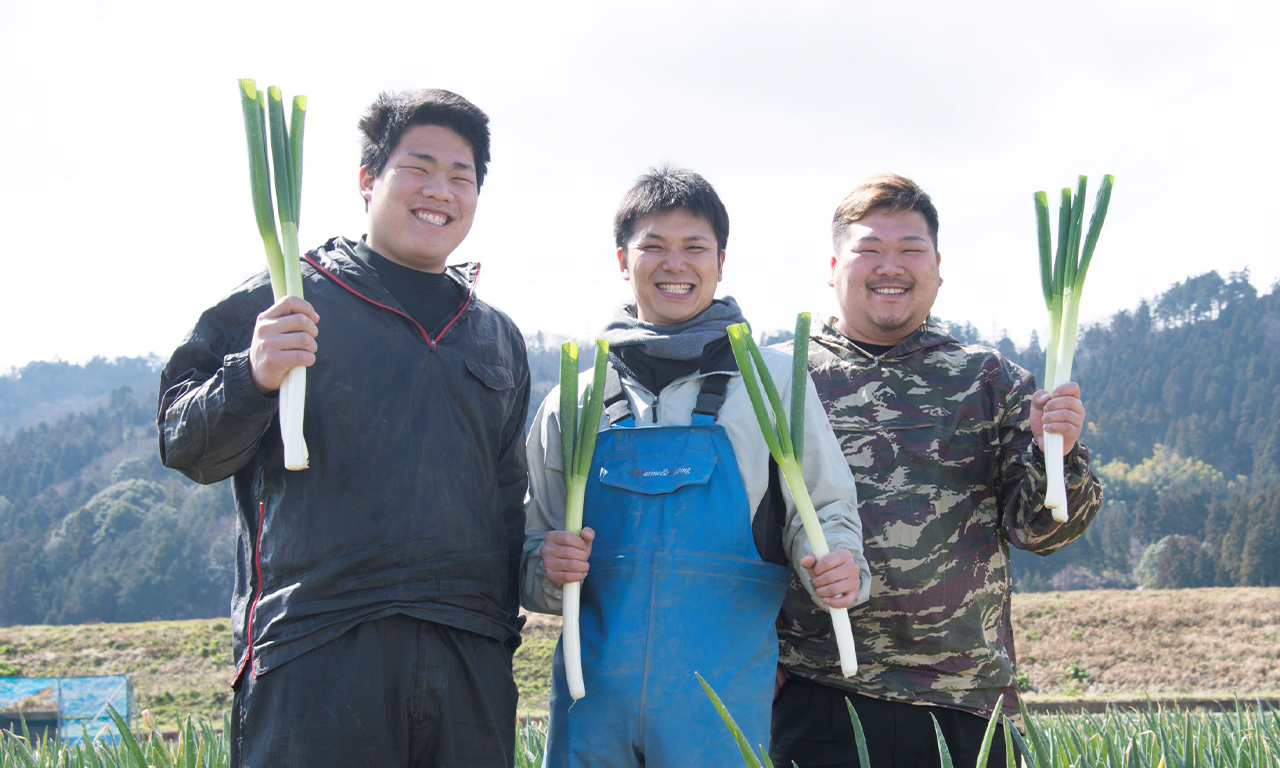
x=284 y=337
x=564 y=555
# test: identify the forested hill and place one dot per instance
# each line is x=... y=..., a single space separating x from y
x=1184 y=425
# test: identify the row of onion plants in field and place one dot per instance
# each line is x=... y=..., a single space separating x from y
x=1243 y=736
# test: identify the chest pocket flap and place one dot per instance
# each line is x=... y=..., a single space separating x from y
x=494 y=376
x=658 y=460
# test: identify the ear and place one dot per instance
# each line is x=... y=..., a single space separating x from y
x=720 y=268
x=622 y=264
x=939 y=265
x=831 y=281
x=366 y=183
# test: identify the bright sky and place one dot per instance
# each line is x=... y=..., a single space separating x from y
x=127 y=206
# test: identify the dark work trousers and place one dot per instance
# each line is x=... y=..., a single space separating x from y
x=395 y=691
x=811 y=726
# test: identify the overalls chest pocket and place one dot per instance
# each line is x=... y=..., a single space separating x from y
x=658 y=460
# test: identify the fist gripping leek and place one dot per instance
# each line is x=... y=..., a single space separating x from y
x=1062 y=281
x=577 y=444
x=284 y=266
x=787 y=446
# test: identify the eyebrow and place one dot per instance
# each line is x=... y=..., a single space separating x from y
x=658 y=236
x=875 y=239
x=431 y=159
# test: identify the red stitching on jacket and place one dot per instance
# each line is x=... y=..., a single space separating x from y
x=465 y=302
x=257 y=593
x=430 y=341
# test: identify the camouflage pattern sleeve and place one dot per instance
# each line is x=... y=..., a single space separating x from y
x=1027 y=523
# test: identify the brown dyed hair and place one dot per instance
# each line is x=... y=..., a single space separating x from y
x=888 y=192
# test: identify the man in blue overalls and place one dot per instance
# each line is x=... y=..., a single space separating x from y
x=690 y=538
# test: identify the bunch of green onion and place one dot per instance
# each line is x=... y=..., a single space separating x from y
x=577 y=444
x=787 y=446
x=1062 y=280
x=284 y=265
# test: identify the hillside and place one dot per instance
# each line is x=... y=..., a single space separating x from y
x=1183 y=425
x=1073 y=646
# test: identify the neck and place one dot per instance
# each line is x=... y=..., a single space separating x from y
x=879 y=340
x=390 y=255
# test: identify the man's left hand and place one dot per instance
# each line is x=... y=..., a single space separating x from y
x=835 y=577
x=1061 y=413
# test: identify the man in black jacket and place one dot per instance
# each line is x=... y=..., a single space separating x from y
x=376 y=603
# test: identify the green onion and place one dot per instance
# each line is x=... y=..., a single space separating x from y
x=739 y=737
x=284 y=264
x=577 y=444
x=1062 y=285
x=782 y=443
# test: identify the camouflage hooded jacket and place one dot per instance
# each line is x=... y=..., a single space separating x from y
x=938 y=436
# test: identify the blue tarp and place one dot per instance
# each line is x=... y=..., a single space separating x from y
x=81 y=702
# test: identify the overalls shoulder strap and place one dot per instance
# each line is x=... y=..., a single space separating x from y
x=710 y=397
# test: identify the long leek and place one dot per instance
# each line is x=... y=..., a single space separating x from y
x=577 y=444
x=1062 y=283
x=282 y=263
x=787 y=445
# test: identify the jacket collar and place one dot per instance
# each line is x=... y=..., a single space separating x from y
x=338 y=257
x=932 y=333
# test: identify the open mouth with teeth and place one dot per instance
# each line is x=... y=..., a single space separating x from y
x=889 y=290
x=675 y=289
x=431 y=217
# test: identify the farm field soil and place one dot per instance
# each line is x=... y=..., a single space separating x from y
x=1071 y=647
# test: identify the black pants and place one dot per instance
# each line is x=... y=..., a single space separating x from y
x=395 y=691
x=811 y=726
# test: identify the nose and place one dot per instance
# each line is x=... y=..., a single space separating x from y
x=890 y=265
x=437 y=186
x=675 y=262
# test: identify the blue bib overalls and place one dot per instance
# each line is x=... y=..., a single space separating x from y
x=676 y=585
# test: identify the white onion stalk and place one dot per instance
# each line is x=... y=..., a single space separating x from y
x=1062 y=282
x=787 y=446
x=283 y=265
x=577 y=444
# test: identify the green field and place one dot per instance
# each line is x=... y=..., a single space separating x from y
x=1094 y=646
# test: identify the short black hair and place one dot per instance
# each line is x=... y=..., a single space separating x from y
x=666 y=189
x=391 y=113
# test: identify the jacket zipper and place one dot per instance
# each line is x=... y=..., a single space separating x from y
x=431 y=343
x=247 y=660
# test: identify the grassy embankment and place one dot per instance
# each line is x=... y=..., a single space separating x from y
x=1072 y=646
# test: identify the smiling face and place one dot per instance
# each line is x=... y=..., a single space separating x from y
x=422 y=203
x=886 y=276
x=673 y=265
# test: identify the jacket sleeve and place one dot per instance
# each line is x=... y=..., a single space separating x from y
x=543 y=506
x=831 y=489
x=1028 y=524
x=211 y=416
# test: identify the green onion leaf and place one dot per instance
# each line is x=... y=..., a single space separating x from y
x=799 y=383
x=743 y=358
x=568 y=403
x=296 y=121
x=280 y=157
x=591 y=413
x=1100 y=205
x=1042 y=229
x=775 y=399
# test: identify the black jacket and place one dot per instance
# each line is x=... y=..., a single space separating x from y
x=413 y=502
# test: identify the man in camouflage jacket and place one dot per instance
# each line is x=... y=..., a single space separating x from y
x=944 y=441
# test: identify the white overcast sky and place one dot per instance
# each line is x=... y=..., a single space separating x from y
x=126 y=201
